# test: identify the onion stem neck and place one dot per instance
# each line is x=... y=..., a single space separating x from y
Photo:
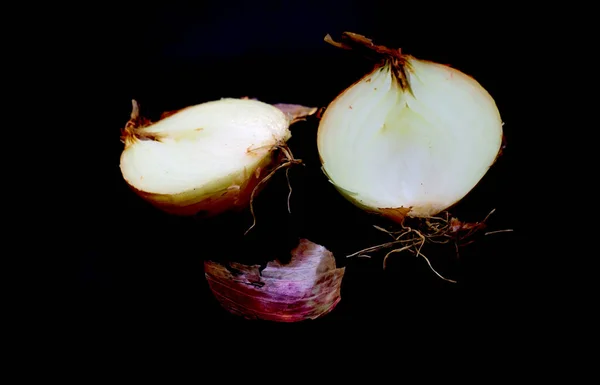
x=390 y=56
x=130 y=133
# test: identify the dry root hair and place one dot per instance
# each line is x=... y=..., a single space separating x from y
x=286 y=163
x=442 y=229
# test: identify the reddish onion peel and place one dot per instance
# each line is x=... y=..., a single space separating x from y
x=308 y=287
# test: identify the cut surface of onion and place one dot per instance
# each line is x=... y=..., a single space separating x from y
x=208 y=157
x=418 y=141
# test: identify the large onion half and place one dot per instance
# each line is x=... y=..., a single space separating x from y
x=207 y=158
x=411 y=138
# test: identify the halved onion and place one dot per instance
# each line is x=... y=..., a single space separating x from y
x=411 y=138
x=208 y=158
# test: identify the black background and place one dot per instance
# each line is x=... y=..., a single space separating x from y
x=139 y=268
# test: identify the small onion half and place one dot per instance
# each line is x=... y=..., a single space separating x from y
x=208 y=158
x=411 y=138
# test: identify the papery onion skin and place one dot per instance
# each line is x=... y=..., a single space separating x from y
x=420 y=96
x=231 y=191
x=308 y=287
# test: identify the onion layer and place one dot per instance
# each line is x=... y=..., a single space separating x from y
x=411 y=138
x=308 y=287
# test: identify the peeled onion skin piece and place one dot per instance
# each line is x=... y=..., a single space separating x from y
x=417 y=84
x=229 y=192
x=308 y=287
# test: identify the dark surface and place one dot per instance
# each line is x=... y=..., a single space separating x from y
x=140 y=267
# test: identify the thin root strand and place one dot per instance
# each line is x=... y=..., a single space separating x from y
x=287 y=177
x=499 y=231
x=289 y=161
x=438 y=274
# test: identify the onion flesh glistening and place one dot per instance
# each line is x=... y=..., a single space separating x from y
x=411 y=138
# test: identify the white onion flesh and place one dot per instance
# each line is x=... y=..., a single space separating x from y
x=204 y=154
x=385 y=148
